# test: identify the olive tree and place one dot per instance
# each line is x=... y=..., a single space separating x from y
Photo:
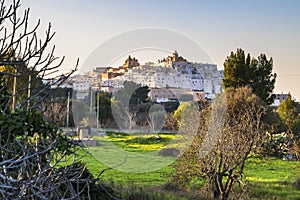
x=219 y=158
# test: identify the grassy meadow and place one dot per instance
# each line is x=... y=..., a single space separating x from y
x=269 y=178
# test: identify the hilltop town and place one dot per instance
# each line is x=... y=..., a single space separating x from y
x=171 y=72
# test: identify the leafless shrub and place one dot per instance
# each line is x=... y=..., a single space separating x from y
x=222 y=167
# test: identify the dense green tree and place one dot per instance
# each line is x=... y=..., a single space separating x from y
x=133 y=93
x=289 y=114
x=171 y=106
x=263 y=81
x=237 y=71
x=241 y=70
x=140 y=95
x=275 y=140
x=127 y=102
x=290 y=117
x=105 y=112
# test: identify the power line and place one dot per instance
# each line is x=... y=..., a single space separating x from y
x=288 y=74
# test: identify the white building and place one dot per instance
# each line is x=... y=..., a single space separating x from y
x=193 y=76
x=82 y=84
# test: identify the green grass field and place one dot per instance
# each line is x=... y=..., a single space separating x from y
x=269 y=178
x=273 y=177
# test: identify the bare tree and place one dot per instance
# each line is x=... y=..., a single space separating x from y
x=56 y=111
x=125 y=118
x=24 y=56
x=221 y=160
x=157 y=119
x=171 y=123
x=36 y=160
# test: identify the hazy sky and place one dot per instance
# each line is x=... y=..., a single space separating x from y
x=257 y=26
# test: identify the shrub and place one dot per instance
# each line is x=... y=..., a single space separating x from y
x=147 y=140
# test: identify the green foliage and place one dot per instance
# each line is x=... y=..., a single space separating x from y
x=275 y=137
x=237 y=70
x=149 y=140
x=23 y=126
x=4 y=96
x=132 y=93
x=183 y=110
x=288 y=113
x=22 y=81
x=30 y=150
x=116 y=134
x=44 y=154
x=140 y=95
x=105 y=112
x=290 y=117
x=241 y=70
x=263 y=81
x=171 y=106
x=275 y=144
x=130 y=105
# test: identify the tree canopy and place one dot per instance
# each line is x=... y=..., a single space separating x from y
x=132 y=93
x=289 y=114
x=241 y=70
x=105 y=113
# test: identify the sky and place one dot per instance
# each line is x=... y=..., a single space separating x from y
x=271 y=27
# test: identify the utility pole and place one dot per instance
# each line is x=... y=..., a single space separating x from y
x=13 y=63
x=97 y=120
x=28 y=92
x=14 y=91
x=68 y=109
x=91 y=100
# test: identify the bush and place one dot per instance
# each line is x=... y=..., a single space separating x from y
x=148 y=140
x=116 y=134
